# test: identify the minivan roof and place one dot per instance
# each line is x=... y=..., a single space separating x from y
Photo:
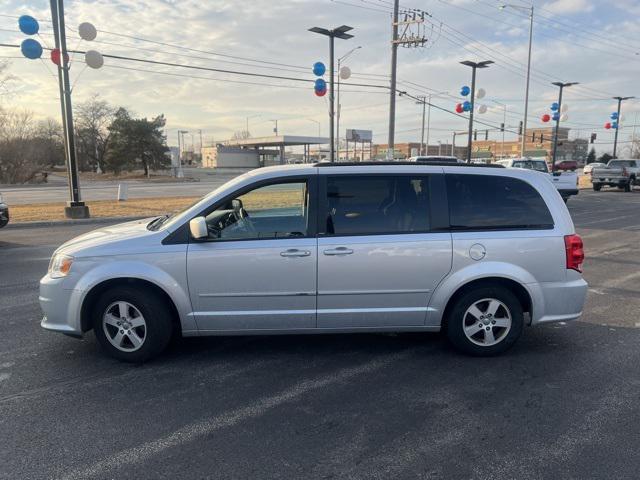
x=415 y=164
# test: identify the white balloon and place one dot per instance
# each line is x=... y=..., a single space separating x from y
x=564 y=117
x=482 y=109
x=481 y=93
x=93 y=59
x=620 y=118
x=345 y=73
x=564 y=108
x=87 y=31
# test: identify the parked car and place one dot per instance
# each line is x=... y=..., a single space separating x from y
x=617 y=173
x=477 y=252
x=565 y=182
x=590 y=166
x=4 y=213
x=435 y=159
x=566 y=165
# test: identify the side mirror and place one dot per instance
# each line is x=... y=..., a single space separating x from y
x=236 y=205
x=198 y=228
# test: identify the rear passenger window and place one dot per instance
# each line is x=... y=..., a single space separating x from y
x=377 y=204
x=487 y=202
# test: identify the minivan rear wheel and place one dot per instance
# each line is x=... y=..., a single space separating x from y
x=132 y=324
x=485 y=321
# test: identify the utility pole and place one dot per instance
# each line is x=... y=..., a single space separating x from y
x=422 y=100
x=406 y=39
x=557 y=126
x=615 y=140
x=426 y=101
x=275 y=130
x=181 y=146
x=474 y=66
x=75 y=207
x=339 y=32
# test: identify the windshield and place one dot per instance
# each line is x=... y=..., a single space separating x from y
x=538 y=165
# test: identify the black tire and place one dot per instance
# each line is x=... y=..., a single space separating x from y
x=456 y=320
x=157 y=315
x=597 y=187
x=628 y=187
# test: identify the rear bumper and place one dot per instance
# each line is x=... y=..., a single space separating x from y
x=562 y=301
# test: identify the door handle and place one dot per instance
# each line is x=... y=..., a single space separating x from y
x=294 y=252
x=338 y=251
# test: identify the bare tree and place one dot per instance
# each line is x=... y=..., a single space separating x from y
x=241 y=135
x=92 y=119
x=20 y=158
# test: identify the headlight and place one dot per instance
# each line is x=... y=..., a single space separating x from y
x=60 y=266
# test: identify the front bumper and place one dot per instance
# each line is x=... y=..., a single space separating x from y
x=60 y=307
x=563 y=301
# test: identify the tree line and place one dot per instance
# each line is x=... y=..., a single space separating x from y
x=108 y=139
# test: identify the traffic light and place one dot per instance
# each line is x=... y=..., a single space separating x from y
x=475 y=135
x=520 y=128
x=502 y=127
x=593 y=137
x=486 y=134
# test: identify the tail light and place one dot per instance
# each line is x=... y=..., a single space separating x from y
x=625 y=172
x=575 y=252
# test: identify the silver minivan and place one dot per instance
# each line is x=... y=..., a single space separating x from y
x=478 y=252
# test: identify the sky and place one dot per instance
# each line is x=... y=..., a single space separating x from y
x=594 y=42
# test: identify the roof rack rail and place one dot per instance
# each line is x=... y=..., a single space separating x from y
x=415 y=164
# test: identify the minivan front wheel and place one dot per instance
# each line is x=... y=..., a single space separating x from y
x=132 y=324
x=485 y=321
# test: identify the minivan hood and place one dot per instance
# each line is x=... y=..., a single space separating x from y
x=91 y=241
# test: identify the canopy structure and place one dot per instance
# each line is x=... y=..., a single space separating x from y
x=278 y=142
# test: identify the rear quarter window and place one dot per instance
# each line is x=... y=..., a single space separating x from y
x=488 y=202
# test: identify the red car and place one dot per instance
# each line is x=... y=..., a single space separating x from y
x=565 y=165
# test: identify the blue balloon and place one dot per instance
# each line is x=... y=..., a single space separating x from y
x=556 y=117
x=320 y=84
x=28 y=25
x=31 y=49
x=466 y=106
x=614 y=116
x=614 y=125
x=555 y=107
x=319 y=69
x=464 y=91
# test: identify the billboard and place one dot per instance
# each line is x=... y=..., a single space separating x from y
x=354 y=135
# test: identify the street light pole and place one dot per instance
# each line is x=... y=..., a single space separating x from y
x=504 y=121
x=422 y=100
x=474 y=66
x=339 y=32
x=557 y=126
x=615 y=140
x=339 y=106
x=247 y=118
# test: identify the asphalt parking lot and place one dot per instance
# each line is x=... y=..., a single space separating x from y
x=562 y=404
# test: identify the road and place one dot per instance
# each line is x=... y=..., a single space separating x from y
x=562 y=404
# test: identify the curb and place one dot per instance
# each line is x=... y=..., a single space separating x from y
x=59 y=223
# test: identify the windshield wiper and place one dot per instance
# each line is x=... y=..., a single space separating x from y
x=156 y=223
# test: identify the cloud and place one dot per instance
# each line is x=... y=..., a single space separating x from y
x=569 y=6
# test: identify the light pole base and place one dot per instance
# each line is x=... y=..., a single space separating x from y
x=76 y=210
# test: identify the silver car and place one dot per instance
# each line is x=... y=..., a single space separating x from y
x=478 y=252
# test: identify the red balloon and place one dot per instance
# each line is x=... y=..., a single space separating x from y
x=321 y=93
x=55 y=56
x=546 y=117
x=459 y=108
x=607 y=125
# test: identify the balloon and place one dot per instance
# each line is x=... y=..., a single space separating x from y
x=564 y=108
x=481 y=93
x=87 y=31
x=321 y=93
x=464 y=91
x=93 y=59
x=482 y=109
x=345 y=73
x=319 y=69
x=554 y=107
x=614 y=125
x=555 y=117
x=607 y=125
x=459 y=108
x=564 y=117
x=320 y=84
x=614 y=116
x=31 y=49
x=466 y=106
x=55 y=56
x=28 y=25
x=546 y=117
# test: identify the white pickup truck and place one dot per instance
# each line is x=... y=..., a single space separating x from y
x=565 y=182
x=618 y=173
